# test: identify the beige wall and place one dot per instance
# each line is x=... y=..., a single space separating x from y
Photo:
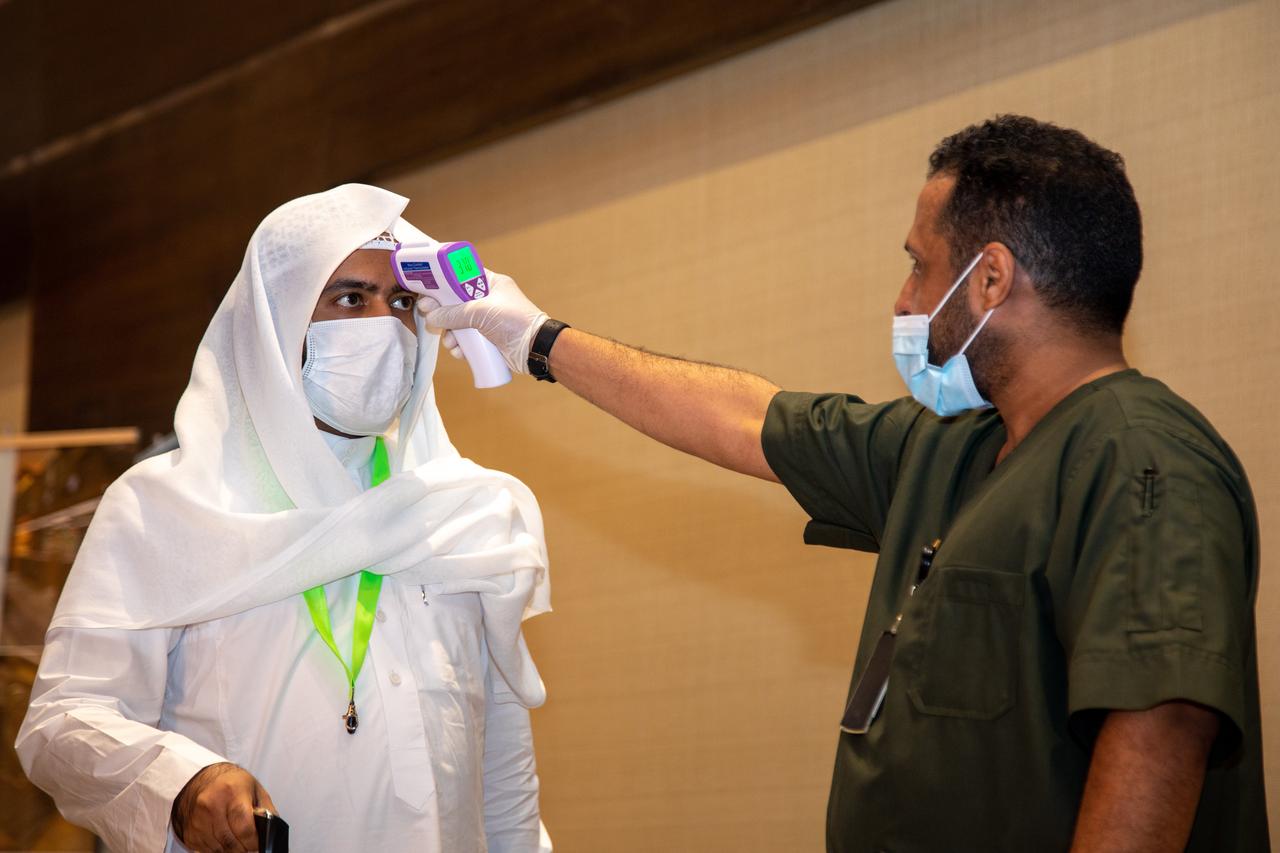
x=699 y=654
x=15 y=363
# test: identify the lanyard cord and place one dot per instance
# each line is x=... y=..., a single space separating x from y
x=366 y=606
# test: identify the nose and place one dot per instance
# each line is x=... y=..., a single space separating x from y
x=902 y=305
x=380 y=306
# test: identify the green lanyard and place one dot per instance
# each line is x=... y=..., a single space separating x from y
x=366 y=606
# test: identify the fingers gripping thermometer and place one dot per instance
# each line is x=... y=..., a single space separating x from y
x=451 y=273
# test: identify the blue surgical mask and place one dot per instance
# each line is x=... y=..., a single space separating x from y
x=947 y=390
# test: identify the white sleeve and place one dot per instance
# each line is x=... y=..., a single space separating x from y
x=511 y=818
x=89 y=738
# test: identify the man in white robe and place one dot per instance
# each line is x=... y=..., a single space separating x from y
x=184 y=681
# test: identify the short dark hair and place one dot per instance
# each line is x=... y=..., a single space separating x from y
x=1060 y=202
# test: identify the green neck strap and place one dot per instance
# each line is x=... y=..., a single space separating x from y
x=366 y=607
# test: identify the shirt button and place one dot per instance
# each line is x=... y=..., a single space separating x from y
x=381 y=615
x=395 y=678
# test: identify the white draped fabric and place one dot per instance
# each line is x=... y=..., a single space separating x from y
x=254 y=507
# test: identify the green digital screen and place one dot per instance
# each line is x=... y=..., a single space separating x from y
x=463 y=261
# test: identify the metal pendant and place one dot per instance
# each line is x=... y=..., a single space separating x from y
x=352 y=718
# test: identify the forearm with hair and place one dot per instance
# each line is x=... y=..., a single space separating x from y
x=712 y=412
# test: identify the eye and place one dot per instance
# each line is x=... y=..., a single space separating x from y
x=402 y=302
x=351 y=299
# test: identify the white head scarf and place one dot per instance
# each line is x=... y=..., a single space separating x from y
x=254 y=507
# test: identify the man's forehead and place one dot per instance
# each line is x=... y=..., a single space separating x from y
x=929 y=204
x=933 y=195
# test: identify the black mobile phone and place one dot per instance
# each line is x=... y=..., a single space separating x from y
x=273 y=832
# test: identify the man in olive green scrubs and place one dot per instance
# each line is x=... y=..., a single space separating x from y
x=1072 y=663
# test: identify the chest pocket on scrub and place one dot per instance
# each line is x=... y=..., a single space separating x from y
x=961 y=658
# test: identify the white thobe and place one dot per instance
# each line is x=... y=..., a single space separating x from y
x=442 y=761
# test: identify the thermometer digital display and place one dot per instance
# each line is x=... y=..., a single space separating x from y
x=451 y=273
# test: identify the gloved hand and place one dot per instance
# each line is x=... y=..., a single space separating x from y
x=506 y=317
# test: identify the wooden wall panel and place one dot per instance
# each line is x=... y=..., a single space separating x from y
x=20 y=123
x=17 y=242
x=146 y=218
x=99 y=59
x=15 y=354
x=19 y=79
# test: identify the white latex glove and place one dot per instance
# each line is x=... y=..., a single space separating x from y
x=506 y=317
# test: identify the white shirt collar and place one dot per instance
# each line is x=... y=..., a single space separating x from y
x=353 y=453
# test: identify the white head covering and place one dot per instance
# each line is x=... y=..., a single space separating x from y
x=254 y=507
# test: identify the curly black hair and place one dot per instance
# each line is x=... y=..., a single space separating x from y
x=1060 y=202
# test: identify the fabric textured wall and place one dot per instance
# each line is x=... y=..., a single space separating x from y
x=752 y=213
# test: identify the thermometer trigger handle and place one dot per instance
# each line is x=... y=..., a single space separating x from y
x=487 y=367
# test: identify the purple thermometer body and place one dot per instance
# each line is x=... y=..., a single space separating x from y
x=451 y=273
x=426 y=269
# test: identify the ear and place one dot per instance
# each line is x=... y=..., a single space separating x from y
x=992 y=279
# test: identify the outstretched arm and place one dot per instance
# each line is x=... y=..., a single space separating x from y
x=713 y=412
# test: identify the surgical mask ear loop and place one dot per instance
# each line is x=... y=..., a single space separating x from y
x=964 y=275
x=981 y=323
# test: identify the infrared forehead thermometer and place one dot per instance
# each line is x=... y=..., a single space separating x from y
x=451 y=273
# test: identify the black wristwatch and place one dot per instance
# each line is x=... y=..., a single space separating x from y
x=540 y=352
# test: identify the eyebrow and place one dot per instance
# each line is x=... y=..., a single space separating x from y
x=351 y=284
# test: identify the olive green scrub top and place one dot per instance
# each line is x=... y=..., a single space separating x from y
x=1109 y=562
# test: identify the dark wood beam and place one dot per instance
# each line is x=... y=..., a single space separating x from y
x=94 y=61
x=135 y=221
